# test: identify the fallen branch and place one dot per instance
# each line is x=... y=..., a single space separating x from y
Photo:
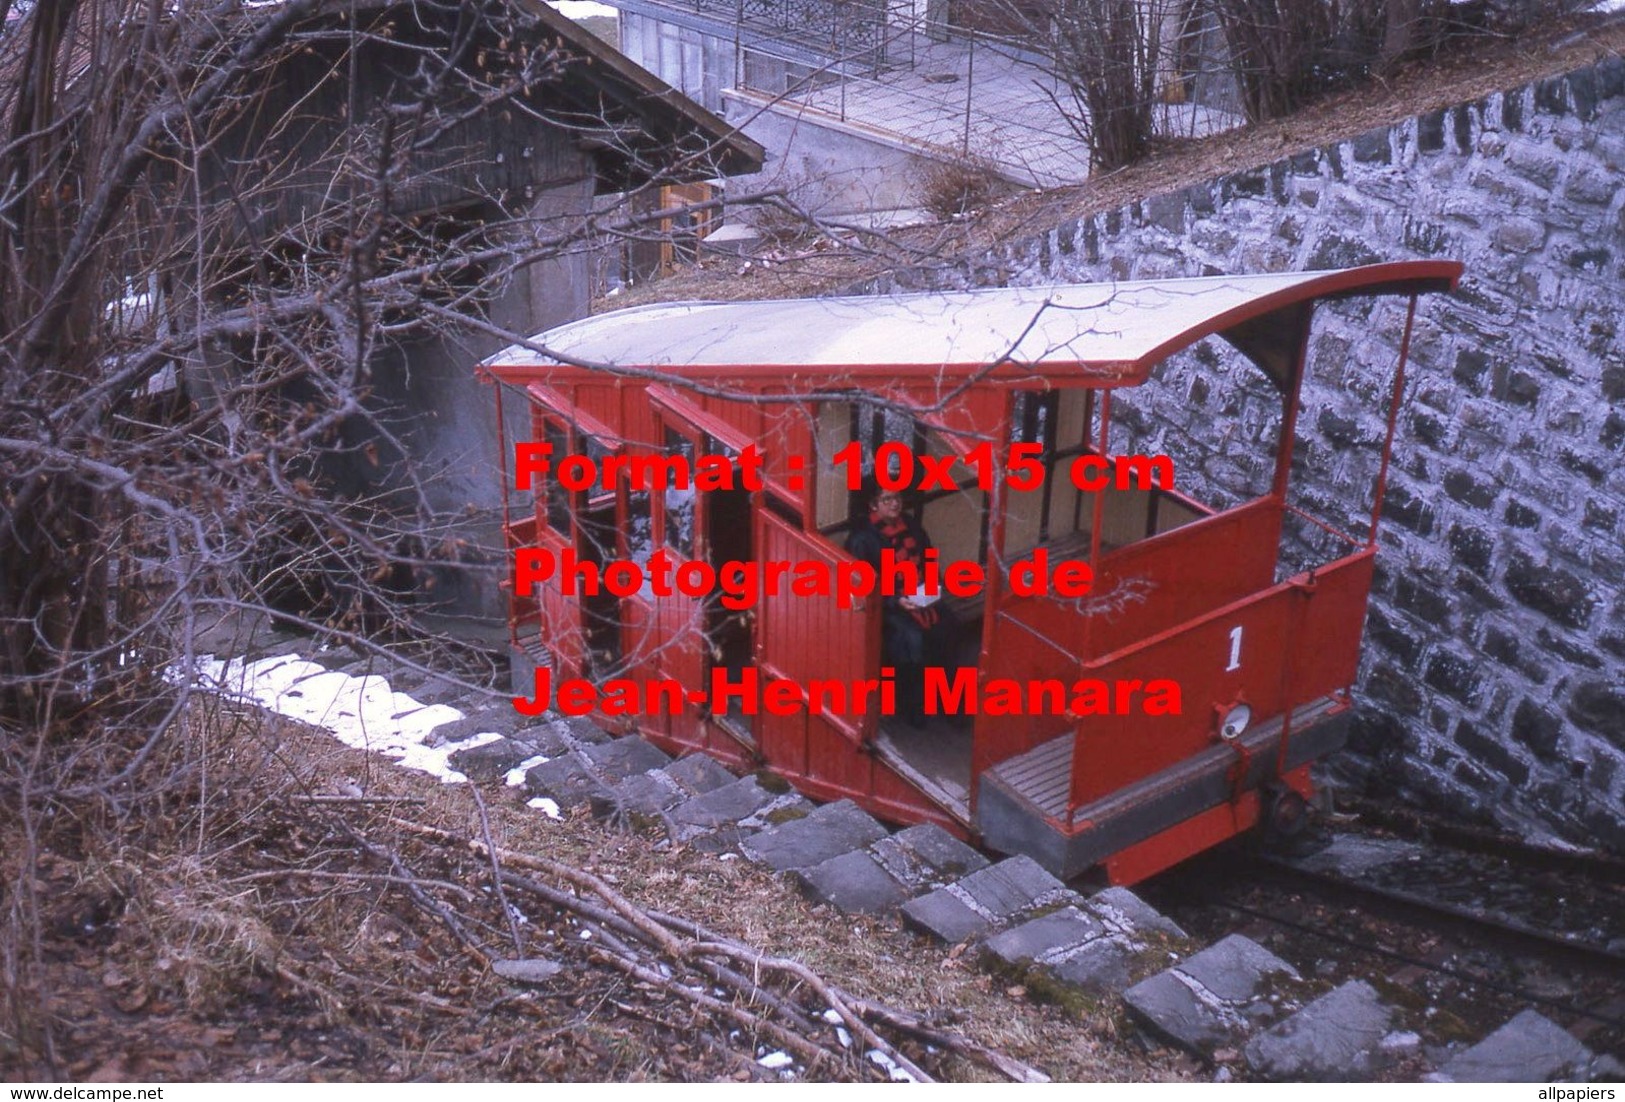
x=412 y=882
x=491 y=851
x=714 y=970
x=912 y=1024
x=690 y=944
x=373 y=877
x=742 y=984
x=811 y=1054
x=830 y=996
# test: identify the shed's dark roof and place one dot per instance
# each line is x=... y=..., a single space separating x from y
x=634 y=123
x=663 y=109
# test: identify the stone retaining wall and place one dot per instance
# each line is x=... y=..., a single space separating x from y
x=1493 y=678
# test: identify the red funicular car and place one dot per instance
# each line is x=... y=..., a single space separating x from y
x=1174 y=704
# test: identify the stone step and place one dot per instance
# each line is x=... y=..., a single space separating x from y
x=725 y=806
x=248 y=636
x=501 y=721
x=1096 y=948
x=926 y=856
x=1338 y=1036
x=1234 y=993
x=1069 y=946
x=578 y=730
x=830 y=830
x=1231 y=994
x=342 y=656
x=780 y=808
x=1217 y=998
x=986 y=900
x=492 y=761
x=890 y=870
x=622 y=758
x=1125 y=913
x=698 y=773
x=658 y=790
x=565 y=781
x=522 y=740
x=1530 y=1048
x=586 y=774
x=425 y=686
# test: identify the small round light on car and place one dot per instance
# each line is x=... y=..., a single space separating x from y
x=1235 y=722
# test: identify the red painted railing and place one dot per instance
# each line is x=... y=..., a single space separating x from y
x=1287 y=645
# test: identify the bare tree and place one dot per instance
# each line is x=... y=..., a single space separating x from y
x=226 y=229
x=214 y=228
x=1107 y=59
x=1285 y=52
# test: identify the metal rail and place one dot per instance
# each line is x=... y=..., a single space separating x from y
x=1503 y=927
x=1223 y=875
x=1443 y=969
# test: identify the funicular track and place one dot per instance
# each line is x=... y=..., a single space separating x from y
x=1337 y=904
x=1475 y=921
x=1213 y=980
x=1231 y=1002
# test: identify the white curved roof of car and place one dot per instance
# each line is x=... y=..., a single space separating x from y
x=1101 y=325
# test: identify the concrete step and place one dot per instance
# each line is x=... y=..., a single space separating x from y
x=728 y=805
x=657 y=790
x=1097 y=947
x=1338 y=1036
x=1217 y=998
x=830 y=830
x=889 y=870
x=986 y=900
x=587 y=772
x=1530 y=1048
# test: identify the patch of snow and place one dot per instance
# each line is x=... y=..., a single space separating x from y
x=545 y=806
x=773 y=1061
x=1400 y=1041
x=895 y=1073
x=581 y=9
x=361 y=712
x=515 y=777
x=162 y=381
x=833 y=1016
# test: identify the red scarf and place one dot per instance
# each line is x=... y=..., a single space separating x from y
x=900 y=538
